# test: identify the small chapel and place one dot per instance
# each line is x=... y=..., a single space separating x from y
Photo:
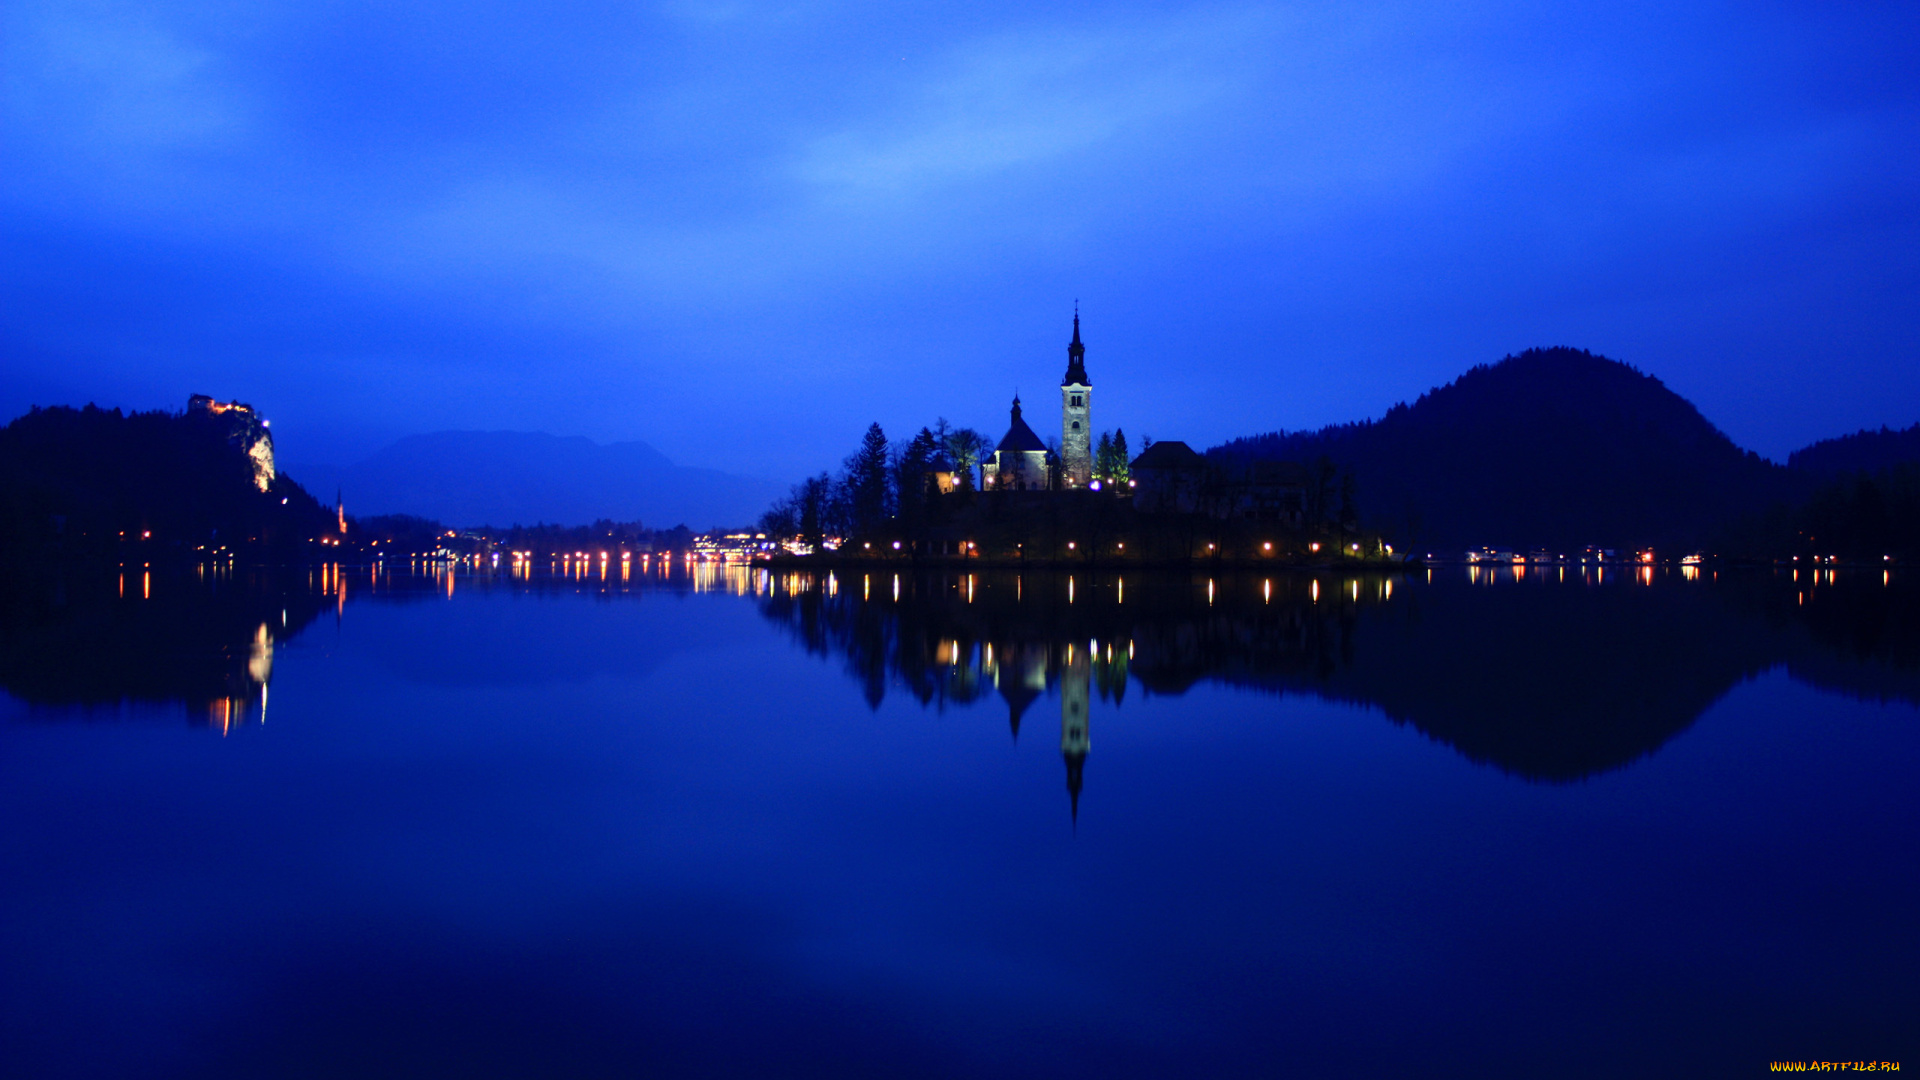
x=1021 y=460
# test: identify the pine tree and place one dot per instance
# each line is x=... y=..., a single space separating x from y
x=910 y=476
x=867 y=491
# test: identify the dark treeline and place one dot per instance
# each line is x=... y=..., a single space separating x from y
x=881 y=485
x=1553 y=448
x=919 y=497
x=1861 y=452
x=406 y=534
x=602 y=535
x=1860 y=517
x=1559 y=448
x=94 y=482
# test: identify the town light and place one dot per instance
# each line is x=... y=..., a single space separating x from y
x=1095 y=485
x=1069 y=545
x=1268 y=546
x=1315 y=546
x=896 y=545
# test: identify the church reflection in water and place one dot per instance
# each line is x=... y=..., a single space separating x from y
x=1550 y=678
x=1019 y=672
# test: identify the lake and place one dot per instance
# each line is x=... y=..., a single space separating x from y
x=700 y=821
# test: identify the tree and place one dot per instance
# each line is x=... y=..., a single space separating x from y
x=911 y=476
x=1122 y=470
x=966 y=447
x=814 y=513
x=1103 y=458
x=1320 y=487
x=781 y=522
x=868 y=493
x=1349 y=503
x=806 y=513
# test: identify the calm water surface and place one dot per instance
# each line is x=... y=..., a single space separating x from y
x=361 y=823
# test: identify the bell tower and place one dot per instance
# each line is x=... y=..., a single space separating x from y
x=1076 y=414
x=1074 y=680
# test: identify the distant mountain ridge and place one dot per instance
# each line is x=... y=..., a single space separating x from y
x=1863 y=451
x=1550 y=448
x=504 y=478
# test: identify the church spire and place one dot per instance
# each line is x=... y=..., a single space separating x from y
x=1076 y=354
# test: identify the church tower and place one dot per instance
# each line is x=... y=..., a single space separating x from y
x=1076 y=415
x=1074 y=679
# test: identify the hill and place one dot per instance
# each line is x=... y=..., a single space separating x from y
x=1863 y=451
x=92 y=481
x=1553 y=448
x=506 y=477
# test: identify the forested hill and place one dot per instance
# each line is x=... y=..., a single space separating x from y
x=1554 y=448
x=91 y=482
x=1861 y=452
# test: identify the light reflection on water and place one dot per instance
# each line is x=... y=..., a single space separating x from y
x=731 y=818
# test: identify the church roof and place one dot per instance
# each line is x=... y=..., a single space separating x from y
x=1169 y=454
x=1019 y=436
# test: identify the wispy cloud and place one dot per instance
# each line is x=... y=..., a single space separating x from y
x=1032 y=98
x=105 y=80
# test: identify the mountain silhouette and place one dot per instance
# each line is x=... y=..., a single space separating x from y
x=1554 y=448
x=1863 y=451
x=517 y=477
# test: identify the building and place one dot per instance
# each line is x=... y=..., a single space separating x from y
x=1076 y=414
x=244 y=429
x=1019 y=463
x=1168 y=478
x=1073 y=721
x=941 y=475
x=1263 y=491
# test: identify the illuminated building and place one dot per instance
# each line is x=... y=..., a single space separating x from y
x=1019 y=463
x=1074 y=678
x=244 y=430
x=1076 y=414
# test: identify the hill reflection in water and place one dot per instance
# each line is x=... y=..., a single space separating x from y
x=92 y=643
x=1553 y=675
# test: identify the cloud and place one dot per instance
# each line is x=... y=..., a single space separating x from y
x=1032 y=98
x=104 y=80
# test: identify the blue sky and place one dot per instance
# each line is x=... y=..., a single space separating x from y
x=741 y=231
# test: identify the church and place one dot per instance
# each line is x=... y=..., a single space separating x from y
x=1021 y=460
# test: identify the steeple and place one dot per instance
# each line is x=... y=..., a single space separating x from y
x=1076 y=414
x=1076 y=355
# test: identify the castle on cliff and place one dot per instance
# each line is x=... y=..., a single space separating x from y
x=244 y=429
